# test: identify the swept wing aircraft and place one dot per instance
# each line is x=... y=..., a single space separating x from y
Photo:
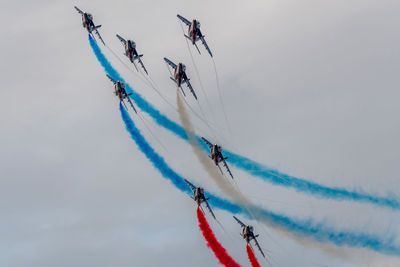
x=198 y=196
x=248 y=234
x=194 y=33
x=131 y=52
x=120 y=91
x=88 y=24
x=180 y=76
x=216 y=156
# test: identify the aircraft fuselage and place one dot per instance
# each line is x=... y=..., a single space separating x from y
x=120 y=90
x=130 y=49
x=247 y=233
x=178 y=74
x=216 y=154
x=87 y=22
x=194 y=30
x=199 y=195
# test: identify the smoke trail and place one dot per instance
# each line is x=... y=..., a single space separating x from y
x=252 y=167
x=300 y=228
x=252 y=258
x=205 y=161
x=225 y=186
x=212 y=242
x=301 y=185
x=158 y=162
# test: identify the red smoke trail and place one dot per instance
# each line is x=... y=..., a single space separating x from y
x=213 y=243
x=252 y=257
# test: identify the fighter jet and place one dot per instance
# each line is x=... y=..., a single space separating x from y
x=120 y=91
x=88 y=24
x=180 y=76
x=194 y=33
x=216 y=155
x=198 y=196
x=131 y=52
x=248 y=234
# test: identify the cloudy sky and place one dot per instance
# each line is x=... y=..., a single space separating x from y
x=310 y=87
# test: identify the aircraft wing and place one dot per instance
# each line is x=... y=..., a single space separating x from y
x=121 y=39
x=130 y=102
x=172 y=64
x=134 y=64
x=123 y=103
x=98 y=34
x=190 y=185
x=210 y=210
x=205 y=45
x=220 y=169
x=144 y=68
x=227 y=168
x=80 y=11
x=184 y=20
x=109 y=77
x=207 y=142
x=191 y=88
x=258 y=246
x=239 y=221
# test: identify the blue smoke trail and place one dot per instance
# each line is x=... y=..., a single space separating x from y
x=301 y=228
x=158 y=162
x=302 y=185
x=250 y=166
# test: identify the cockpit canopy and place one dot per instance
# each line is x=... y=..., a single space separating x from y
x=121 y=84
x=132 y=43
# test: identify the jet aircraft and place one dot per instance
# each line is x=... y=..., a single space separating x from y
x=180 y=76
x=248 y=234
x=198 y=196
x=88 y=24
x=216 y=155
x=120 y=91
x=131 y=52
x=194 y=33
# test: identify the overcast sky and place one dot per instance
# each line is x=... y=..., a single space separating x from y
x=310 y=87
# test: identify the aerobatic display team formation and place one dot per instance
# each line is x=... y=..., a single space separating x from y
x=220 y=163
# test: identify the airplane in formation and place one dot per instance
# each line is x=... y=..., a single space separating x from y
x=88 y=24
x=120 y=91
x=194 y=33
x=216 y=156
x=180 y=76
x=131 y=52
x=199 y=198
x=248 y=234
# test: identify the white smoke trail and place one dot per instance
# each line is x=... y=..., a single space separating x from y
x=227 y=188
